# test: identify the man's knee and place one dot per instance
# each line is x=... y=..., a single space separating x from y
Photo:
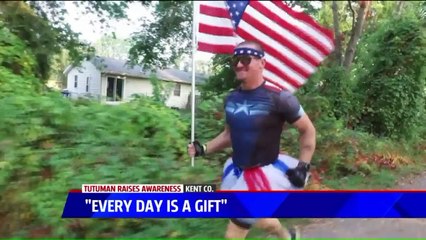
x=271 y=225
x=237 y=229
x=244 y=223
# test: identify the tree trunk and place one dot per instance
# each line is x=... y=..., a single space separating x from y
x=399 y=6
x=338 y=39
x=355 y=34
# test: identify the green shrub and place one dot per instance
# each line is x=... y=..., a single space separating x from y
x=50 y=145
x=209 y=122
x=17 y=66
x=392 y=78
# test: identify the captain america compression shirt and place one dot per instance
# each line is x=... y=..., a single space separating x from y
x=255 y=118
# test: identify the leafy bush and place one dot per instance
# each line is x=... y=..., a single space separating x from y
x=335 y=85
x=344 y=152
x=160 y=89
x=16 y=66
x=49 y=145
x=392 y=78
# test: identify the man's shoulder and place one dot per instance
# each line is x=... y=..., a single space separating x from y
x=231 y=93
x=272 y=89
x=281 y=94
x=285 y=94
x=283 y=98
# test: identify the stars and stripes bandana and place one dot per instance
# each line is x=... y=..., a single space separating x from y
x=248 y=51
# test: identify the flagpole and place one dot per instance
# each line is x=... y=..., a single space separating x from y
x=194 y=50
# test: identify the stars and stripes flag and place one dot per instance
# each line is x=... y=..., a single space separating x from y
x=294 y=43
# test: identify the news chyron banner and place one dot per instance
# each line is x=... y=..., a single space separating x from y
x=204 y=201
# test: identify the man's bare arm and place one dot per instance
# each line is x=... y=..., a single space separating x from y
x=222 y=141
x=307 y=138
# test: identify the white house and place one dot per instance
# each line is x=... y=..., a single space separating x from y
x=114 y=81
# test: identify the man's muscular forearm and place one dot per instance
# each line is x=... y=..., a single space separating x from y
x=298 y=175
x=222 y=141
x=307 y=143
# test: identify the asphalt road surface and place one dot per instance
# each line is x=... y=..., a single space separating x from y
x=371 y=228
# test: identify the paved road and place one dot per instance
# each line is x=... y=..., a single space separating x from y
x=371 y=228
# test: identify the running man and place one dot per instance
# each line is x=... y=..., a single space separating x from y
x=255 y=116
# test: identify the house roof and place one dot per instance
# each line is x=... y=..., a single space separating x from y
x=120 y=67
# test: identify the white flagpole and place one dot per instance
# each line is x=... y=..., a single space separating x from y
x=194 y=50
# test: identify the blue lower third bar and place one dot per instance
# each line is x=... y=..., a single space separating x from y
x=299 y=204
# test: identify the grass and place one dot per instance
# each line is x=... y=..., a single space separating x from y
x=379 y=180
x=382 y=179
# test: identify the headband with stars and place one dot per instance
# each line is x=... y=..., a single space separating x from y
x=248 y=51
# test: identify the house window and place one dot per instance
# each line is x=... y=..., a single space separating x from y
x=176 y=91
x=114 y=89
x=87 y=84
x=75 y=81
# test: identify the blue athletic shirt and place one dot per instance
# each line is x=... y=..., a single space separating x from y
x=256 y=119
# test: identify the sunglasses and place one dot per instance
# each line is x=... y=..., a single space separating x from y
x=244 y=59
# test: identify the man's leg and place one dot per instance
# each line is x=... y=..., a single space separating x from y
x=271 y=225
x=235 y=231
x=239 y=228
x=277 y=179
x=274 y=227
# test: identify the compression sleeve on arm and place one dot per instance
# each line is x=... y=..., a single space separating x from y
x=289 y=107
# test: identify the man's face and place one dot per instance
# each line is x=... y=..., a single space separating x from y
x=247 y=65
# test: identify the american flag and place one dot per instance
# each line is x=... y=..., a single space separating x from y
x=295 y=44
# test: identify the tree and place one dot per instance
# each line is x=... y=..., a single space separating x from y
x=337 y=34
x=17 y=66
x=351 y=20
x=348 y=24
x=59 y=63
x=110 y=46
x=392 y=78
x=164 y=40
x=41 y=25
x=222 y=80
x=356 y=31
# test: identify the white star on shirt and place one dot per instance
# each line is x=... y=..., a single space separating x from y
x=243 y=108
